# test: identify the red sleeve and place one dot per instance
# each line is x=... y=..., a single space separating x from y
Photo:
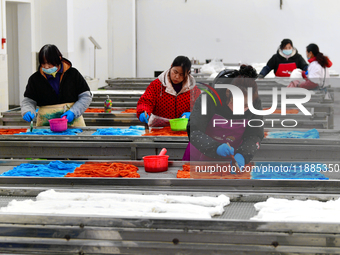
x=329 y=63
x=308 y=84
x=148 y=100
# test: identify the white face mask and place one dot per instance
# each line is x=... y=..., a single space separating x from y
x=287 y=52
x=50 y=70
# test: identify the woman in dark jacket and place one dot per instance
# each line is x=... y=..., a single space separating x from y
x=216 y=132
x=57 y=89
x=284 y=61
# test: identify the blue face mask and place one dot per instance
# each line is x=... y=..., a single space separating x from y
x=50 y=70
x=287 y=52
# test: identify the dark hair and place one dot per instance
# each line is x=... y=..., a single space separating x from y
x=246 y=79
x=322 y=60
x=284 y=42
x=183 y=62
x=49 y=53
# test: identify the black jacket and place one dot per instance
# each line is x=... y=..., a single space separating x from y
x=71 y=85
x=197 y=125
x=278 y=59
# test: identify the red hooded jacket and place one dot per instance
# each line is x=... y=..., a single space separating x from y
x=161 y=99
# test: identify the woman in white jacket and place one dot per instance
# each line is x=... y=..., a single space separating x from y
x=317 y=69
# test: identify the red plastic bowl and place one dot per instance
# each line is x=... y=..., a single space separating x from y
x=156 y=163
x=58 y=124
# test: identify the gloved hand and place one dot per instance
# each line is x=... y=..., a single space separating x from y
x=186 y=114
x=69 y=116
x=240 y=160
x=143 y=118
x=225 y=150
x=304 y=75
x=28 y=116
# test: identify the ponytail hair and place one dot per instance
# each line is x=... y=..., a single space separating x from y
x=322 y=60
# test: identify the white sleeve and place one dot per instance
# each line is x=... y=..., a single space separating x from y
x=315 y=71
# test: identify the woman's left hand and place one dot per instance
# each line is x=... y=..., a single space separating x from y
x=69 y=116
x=186 y=115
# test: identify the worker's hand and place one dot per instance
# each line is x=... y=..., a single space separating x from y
x=240 y=160
x=225 y=150
x=28 y=116
x=143 y=118
x=69 y=116
x=294 y=84
x=304 y=75
x=186 y=115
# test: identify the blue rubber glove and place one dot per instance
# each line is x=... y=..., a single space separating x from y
x=186 y=114
x=142 y=118
x=69 y=116
x=225 y=150
x=28 y=116
x=240 y=160
x=306 y=72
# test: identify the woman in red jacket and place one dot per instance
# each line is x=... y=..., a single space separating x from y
x=171 y=95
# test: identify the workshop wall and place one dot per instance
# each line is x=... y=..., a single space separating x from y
x=238 y=31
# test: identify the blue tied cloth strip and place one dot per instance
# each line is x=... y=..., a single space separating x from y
x=73 y=131
x=310 y=134
x=132 y=130
x=53 y=169
x=289 y=170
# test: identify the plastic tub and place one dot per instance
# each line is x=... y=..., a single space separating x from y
x=156 y=163
x=58 y=124
x=179 y=124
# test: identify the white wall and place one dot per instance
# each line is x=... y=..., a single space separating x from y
x=51 y=24
x=13 y=53
x=122 y=38
x=90 y=19
x=243 y=30
x=3 y=61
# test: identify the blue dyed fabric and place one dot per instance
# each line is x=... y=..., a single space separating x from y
x=132 y=130
x=137 y=127
x=73 y=131
x=310 y=134
x=53 y=169
x=286 y=170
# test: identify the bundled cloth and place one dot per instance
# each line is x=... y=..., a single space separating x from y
x=310 y=134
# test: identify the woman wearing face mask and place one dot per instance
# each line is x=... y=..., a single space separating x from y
x=284 y=61
x=220 y=133
x=171 y=94
x=317 y=69
x=57 y=89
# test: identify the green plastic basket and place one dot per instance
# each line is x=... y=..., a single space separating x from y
x=179 y=124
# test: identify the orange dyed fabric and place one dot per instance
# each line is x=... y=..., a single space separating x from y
x=130 y=110
x=166 y=131
x=265 y=134
x=188 y=171
x=288 y=111
x=95 y=110
x=91 y=169
x=12 y=131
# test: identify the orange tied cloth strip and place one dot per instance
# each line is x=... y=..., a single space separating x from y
x=95 y=110
x=130 y=110
x=288 y=111
x=186 y=173
x=12 y=131
x=91 y=169
x=166 y=131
